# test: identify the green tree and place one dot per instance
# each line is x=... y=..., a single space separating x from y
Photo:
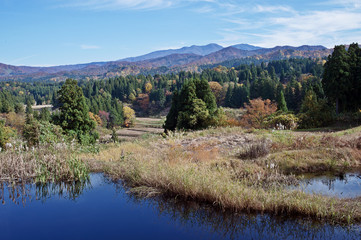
x=336 y=82
x=5 y=133
x=44 y=115
x=74 y=112
x=31 y=131
x=281 y=101
x=172 y=117
x=195 y=108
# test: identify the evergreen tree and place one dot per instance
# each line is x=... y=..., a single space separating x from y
x=29 y=108
x=228 y=98
x=195 y=103
x=44 y=115
x=116 y=114
x=74 y=113
x=172 y=116
x=336 y=82
x=281 y=102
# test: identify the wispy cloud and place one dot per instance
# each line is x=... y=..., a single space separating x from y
x=17 y=60
x=259 y=22
x=272 y=9
x=119 y=4
x=87 y=47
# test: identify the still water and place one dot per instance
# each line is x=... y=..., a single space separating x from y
x=102 y=209
x=339 y=185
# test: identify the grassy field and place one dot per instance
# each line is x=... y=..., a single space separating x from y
x=237 y=169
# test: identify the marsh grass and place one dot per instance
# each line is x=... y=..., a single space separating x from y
x=255 y=150
x=199 y=171
x=41 y=165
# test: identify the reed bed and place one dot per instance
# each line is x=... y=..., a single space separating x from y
x=41 y=165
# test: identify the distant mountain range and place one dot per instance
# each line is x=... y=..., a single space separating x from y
x=172 y=60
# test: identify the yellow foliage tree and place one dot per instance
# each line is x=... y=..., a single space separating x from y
x=129 y=116
x=148 y=87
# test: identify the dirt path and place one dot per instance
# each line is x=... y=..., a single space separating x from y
x=142 y=126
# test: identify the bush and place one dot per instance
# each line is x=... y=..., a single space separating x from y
x=315 y=112
x=319 y=116
x=5 y=134
x=88 y=138
x=282 y=121
x=50 y=133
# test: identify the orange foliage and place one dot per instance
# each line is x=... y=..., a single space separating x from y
x=96 y=118
x=257 y=111
x=233 y=122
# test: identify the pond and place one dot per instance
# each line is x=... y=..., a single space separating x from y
x=101 y=209
x=342 y=185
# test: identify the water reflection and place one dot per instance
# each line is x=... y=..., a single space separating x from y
x=341 y=185
x=102 y=209
x=231 y=225
x=23 y=193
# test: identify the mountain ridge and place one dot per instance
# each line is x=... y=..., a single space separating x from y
x=168 y=63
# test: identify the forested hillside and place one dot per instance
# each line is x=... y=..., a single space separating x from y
x=294 y=84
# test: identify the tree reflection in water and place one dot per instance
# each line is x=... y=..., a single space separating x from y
x=191 y=216
x=22 y=192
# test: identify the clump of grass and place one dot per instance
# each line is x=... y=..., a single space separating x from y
x=255 y=150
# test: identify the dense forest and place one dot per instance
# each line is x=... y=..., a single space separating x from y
x=253 y=80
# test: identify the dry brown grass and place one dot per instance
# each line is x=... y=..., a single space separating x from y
x=196 y=166
x=40 y=165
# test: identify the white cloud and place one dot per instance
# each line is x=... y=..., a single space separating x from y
x=272 y=9
x=327 y=27
x=87 y=47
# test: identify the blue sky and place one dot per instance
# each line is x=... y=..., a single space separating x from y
x=54 y=32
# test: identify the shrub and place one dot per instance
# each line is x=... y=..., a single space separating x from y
x=282 y=121
x=5 y=134
x=315 y=112
x=50 y=133
x=88 y=138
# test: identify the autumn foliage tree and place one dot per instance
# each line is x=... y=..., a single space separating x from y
x=257 y=112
